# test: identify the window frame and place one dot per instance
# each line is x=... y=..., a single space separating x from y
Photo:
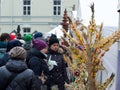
x=26 y=30
x=57 y=7
x=26 y=7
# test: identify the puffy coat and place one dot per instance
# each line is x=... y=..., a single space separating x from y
x=58 y=74
x=25 y=80
x=4 y=59
x=36 y=62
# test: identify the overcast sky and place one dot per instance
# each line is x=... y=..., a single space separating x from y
x=105 y=11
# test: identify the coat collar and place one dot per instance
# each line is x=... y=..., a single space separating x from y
x=37 y=53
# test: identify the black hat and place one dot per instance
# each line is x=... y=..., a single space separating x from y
x=53 y=40
x=13 y=43
x=53 y=36
x=38 y=34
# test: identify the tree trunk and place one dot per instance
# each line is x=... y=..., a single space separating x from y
x=91 y=79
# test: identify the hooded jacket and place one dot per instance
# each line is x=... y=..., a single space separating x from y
x=25 y=80
x=36 y=62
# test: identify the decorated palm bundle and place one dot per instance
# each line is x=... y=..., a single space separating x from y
x=87 y=48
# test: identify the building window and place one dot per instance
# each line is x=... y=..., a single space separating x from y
x=56 y=7
x=26 y=7
x=26 y=30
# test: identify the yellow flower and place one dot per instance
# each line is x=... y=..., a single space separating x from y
x=91 y=30
x=82 y=61
x=78 y=56
x=74 y=51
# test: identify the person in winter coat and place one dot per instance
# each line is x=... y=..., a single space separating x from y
x=11 y=44
x=28 y=42
x=57 y=65
x=4 y=38
x=36 y=59
x=15 y=75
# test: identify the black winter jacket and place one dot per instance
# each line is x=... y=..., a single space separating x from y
x=58 y=74
x=25 y=80
x=37 y=63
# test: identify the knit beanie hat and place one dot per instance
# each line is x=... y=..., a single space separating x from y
x=12 y=36
x=18 y=53
x=27 y=37
x=39 y=44
x=53 y=40
x=13 y=43
x=38 y=34
x=53 y=36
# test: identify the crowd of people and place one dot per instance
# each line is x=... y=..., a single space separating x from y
x=32 y=63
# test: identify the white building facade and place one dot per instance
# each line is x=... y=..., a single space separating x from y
x=33 y=15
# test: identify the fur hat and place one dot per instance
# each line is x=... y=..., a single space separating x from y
x=39 y=44
x=27 y=37
x=53 y=40
x=13 y=43
x=18 y=53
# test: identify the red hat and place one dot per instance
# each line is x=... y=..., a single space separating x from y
x=12 y=37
